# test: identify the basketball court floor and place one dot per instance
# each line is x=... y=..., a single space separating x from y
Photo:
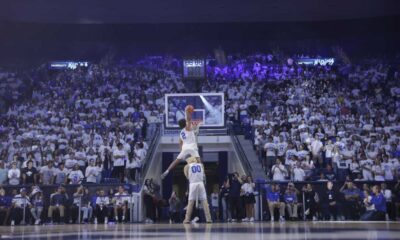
x=221 y=231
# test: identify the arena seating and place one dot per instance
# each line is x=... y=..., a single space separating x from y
x=307 y=123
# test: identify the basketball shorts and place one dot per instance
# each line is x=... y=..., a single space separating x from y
x=197 y=191
x=188 y=152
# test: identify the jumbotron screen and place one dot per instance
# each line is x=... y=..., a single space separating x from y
x=194 y=68
x=209 y=108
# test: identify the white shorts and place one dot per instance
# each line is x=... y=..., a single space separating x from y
x=188 y=151
x=197 y=191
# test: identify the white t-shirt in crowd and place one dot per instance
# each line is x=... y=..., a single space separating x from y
x=214 y=200
x=14 y=176
x=270 y=149
x=91 y=173
x=278 y=172
x=119 y=161
x=298 y=174
x=75 y=176
x=316 y=147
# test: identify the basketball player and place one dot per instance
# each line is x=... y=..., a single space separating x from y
x=194 y=172
x=187 y=140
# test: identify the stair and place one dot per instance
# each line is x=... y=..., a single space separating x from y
x=257 y=170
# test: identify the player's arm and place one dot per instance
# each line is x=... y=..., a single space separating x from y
x=188 y=118
x=180 y=144
x=202 y=170
x=185 y=171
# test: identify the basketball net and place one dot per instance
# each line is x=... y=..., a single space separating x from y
x=197 y=122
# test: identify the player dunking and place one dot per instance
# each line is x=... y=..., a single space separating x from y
x=187 y=140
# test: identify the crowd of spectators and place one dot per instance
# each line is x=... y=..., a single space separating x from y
x=328 y=201
x=81 y=124
x=315 y=122
x=318 y=123
x=33 y=206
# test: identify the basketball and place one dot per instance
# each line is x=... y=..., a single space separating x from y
x=190 y=108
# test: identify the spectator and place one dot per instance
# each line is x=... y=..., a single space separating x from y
x=355 y=168
x=174 y=208
x=377 y=171
x=37 y=204
x=291 y=201
x=76 y=175
x=278 y=171
x=149 y=196
x=396 y=191
x=274 y=201
x=135 y=164
x=311 y=199
x=235 y=184
x=270 y=153
x=352 y=198
x=58 y=201
x=224 y=196
x=3 y=173
x=47 y=174
x=328 y=149
x=81 y=202
x=298 y=172
x=119 y=157
x=4 y=207
x=259 y=142
x=121 y=201
x=215 y=204
x=29 y=174
x=14 y=174
x=316 y=150
x=308 y=167
x=389 y=168
x=379 y=203
x=366 y=166
x=330 y=202
x=92 y=172
x=19 y=202
x=387 y=193
x=102 y=210
x=61 y=174
x=329 y=173
x=281 y=148
x=249 y=199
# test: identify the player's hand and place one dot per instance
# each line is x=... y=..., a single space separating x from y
x=164 y=174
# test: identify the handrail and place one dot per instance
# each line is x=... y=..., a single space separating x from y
x=202 y=132
x=150 y=153
x=242 y=156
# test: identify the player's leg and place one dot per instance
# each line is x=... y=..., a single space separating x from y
x=184 y=153
x=170 y=167
x=189 y=210
x=180 y=157
x=203 y=198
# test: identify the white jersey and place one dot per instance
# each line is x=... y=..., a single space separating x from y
x=197 y=191
x=188 y=139
x=189 y=146
x=195 y=173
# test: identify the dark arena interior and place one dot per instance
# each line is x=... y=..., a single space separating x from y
x=202 y=120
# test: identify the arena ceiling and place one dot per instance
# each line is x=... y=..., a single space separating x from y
x=180 y=11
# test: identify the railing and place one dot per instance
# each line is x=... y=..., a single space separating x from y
x=242 y=155
x=202 y=132
x=150 y=153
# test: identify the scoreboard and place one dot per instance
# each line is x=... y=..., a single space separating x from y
x=194 y=68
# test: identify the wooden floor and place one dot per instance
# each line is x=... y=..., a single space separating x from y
x=221 y=231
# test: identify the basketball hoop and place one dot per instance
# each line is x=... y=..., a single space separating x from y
x=197 y=122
